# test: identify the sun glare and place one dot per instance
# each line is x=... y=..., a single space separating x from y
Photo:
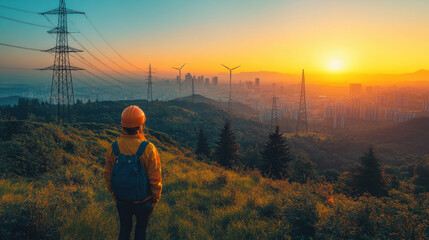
x=336 y=65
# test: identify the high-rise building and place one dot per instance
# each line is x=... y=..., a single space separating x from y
x=368 y=90
x=215 y=81
x=390 y=114
x=354 y=110
x=257 y=82
x=200 y=80
x=372 y=113
x=328 y=110
x=355 y=89
x=248 y=84
x=398 y=116
x=382 y=100
x=404 y=116
x=332 y=109
x=400 y=99
x=207 y=81
x=188 y=78
x=339 y=121
x=425 y=106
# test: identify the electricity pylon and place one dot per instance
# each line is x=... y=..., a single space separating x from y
x=302 y=111
x=62 y=83
x=149 y=85
x=180 y=78
x=274 y=114
x=230 y=85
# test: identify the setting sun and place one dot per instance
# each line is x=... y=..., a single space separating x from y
x=336 y=65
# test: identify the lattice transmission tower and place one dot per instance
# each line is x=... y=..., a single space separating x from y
x=302 y=111
x=149 y=85
x=274 y=114
x=62 y=92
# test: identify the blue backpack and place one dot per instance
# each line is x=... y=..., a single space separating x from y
x=129 y=179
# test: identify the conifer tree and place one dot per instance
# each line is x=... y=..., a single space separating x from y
x=202 y=145
x=368 y=177
x=276 y=156
x=226 y=151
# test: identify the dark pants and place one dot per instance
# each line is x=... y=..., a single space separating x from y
x=126 y=210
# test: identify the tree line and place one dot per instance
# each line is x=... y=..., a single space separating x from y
x=277 y=161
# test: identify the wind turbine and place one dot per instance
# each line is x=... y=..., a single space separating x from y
x=230 y=81
x=180 y=77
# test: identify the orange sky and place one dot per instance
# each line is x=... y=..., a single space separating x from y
x=330 y=36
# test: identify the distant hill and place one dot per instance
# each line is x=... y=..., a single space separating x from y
x=181 y=119
x=411 y=136
x=238 y=109
x=12 y=100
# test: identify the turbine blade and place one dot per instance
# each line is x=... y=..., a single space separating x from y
x=182 y=65
x=235 y=67
x=226 y=67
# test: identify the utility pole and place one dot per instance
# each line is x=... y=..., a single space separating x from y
x=302 y=111
x=230 y=86
x=62 y=83
x=149 y=85
x=180 y=78
x=274 y=115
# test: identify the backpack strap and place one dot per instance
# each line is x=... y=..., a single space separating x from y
x=115 y=148
x=142 y=148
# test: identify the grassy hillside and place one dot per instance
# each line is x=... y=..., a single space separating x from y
x=51 y=187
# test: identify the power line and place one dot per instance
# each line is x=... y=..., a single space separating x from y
x=24 y=22
x=95 y=79
x=81 y=45
x=17 y=9
x=104 y=39
x=87 y=63
x=85 y=83
x=20 y=47
x=104 y=80
x=104 y=55
x=15 y=68
x=98 y=60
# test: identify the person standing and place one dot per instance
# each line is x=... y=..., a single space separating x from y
x=133 y=174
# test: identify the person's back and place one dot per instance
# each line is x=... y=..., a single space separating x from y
x=141 y=179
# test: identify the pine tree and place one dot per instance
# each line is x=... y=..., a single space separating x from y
x=369 y=177
x=226 y=148
x=276 y=155
x=202 y=145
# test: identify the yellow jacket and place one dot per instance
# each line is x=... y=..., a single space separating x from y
x=128 y=144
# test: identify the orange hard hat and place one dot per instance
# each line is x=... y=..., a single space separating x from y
x=132 y=117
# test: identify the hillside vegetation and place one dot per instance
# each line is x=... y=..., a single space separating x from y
x=51 y=187
x=182 y=119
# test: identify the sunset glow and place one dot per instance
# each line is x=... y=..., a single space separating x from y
x=336 y=65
